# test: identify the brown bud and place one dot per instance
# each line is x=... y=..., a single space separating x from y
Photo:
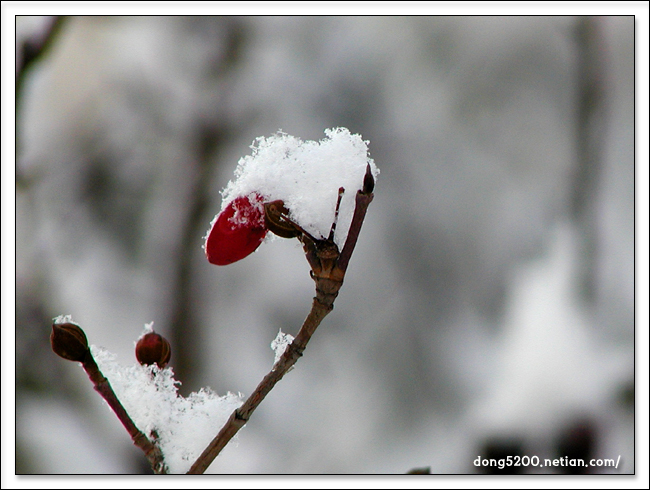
x=153 y=348
x=276 y=218
x=69 y=341
x=368 y=181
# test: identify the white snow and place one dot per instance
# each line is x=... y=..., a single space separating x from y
x=306 y=175
x=148 y=328
x=280 y=344
x=549 y=366
x=185 y=426
x=61 y=319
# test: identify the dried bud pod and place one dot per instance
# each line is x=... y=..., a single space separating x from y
x=276 y=217
x=153 y=348
x=69 y=341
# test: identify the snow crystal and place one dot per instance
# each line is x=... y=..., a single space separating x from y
x=61 y=319
x=280 y=344
x=306 y=175
x=183 y=426
x=148 y=328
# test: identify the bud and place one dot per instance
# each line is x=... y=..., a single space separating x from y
x=276 y=218
x=153 y=348
x=69 y=341
x=368 y=181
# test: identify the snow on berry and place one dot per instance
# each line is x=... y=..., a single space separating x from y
x=237 y=231
x=306 y=175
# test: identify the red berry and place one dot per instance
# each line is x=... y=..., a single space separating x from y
x=153 y=348
x=237 y=232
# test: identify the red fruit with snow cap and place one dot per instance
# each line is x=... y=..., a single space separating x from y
x=237 y=232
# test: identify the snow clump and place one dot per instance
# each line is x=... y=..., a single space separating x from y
x=307 y=176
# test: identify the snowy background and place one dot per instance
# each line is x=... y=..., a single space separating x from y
x=488 y=307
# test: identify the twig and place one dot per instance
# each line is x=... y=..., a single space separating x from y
x=29 y=53
x=69 y=342
x=328 y=270
x=241 y=415
x=103 y=387
x=363 y=200
x=35 y=47
x=591 y=123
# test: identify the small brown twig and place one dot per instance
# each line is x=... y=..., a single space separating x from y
x=34 y=47
x=328 y=268
x=69 y=341
x=103 y=387
x=29 y=52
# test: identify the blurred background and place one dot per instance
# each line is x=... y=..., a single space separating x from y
x=488 y=309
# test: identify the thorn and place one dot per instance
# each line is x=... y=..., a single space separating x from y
x=336 y=214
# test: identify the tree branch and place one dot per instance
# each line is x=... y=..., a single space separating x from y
x=34 y=48
x=328 y=270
